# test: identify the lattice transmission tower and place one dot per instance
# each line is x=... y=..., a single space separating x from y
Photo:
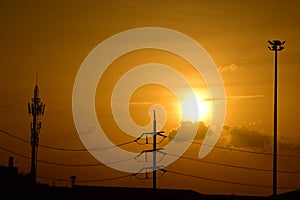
x=36 y=109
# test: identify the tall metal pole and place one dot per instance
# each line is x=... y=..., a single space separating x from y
x=275 y=129
x=36 y=109
x=276 y=46
x=154 y=152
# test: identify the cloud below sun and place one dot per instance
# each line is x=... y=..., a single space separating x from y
x=229 y=68
x=241 y=137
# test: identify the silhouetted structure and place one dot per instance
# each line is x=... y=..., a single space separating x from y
x=14 y=185
x=11 y=179
x=276 y=46
x=8 y=174
x=36 y=109
x=73 y=178
x=154 y=149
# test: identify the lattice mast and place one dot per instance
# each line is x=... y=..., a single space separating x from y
x=36 y=109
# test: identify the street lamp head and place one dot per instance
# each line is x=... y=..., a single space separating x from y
x=276 y=45
x=280 y=48
x=277 y=42
x=270 y=42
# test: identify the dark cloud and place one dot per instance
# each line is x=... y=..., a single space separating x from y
x=226 y=127
x=289 y=146
x=189 y=127
x=202 y=130
x=247 y=137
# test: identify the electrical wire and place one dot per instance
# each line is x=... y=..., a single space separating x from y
x=67 y=149
x=64 y=164
x=229 y=182
x=88 y=180
x=181 y=157
x=176 y=173
x=233 y=166
x=136 y=141
x=232 y=149
x=170 y=171
x=125 y=143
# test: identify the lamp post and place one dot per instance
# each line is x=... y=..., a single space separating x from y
x=275 y=45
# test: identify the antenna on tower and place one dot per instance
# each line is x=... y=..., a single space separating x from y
x=36 y=109
x=36 y=78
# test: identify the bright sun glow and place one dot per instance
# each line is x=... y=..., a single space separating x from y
x=203 y=109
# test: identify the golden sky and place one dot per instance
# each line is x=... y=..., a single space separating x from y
x=52 y=38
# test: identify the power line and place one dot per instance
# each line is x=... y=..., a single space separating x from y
x=99 y=164
x=229 y=182
x=232 y=149
x=181 y=157
x=177 y=173
x=64 y=164
x=233 y=166
x=149 y=177
x=103 y=179
x=88 y=180
x=84 y=149
x=164 y=171
x=13 y=136
x=136 y=141
x=67 y=149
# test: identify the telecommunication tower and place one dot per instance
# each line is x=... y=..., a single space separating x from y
x=36 y=109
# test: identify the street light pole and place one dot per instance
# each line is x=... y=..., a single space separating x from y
x=276 y=46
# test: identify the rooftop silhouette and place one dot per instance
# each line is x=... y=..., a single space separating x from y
x=15 y=185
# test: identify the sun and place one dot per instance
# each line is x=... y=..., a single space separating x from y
x=201 y=113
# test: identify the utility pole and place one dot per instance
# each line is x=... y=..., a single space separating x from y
x=276 y=46
x=154 y=151
x=36 y=108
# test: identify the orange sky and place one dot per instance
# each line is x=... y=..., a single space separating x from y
x=54 y=37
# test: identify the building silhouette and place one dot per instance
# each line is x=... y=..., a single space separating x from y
x=15 y=185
